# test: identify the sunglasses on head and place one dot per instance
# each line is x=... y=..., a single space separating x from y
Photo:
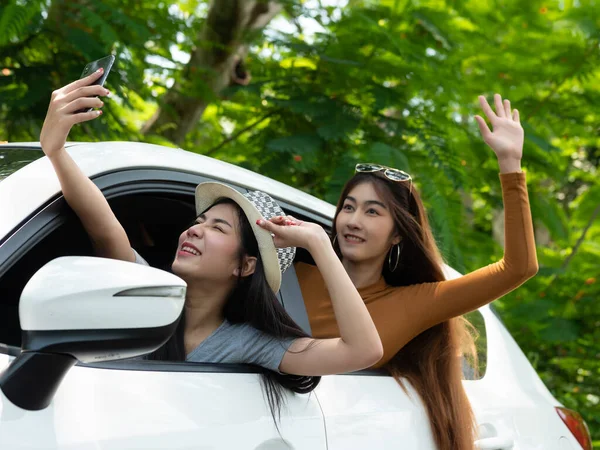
x=389 y=172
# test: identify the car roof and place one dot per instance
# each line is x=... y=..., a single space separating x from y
x=27 y=189
x=97 y=158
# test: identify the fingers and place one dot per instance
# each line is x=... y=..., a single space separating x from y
x=486 y=108
x=499 y=107
x=278 y=223
x=86 y=116
x=279 y=220
x=515 y=116
x=503 y=109
x=483 y=127
x=267 y=225
x=507 y=111
x=86 y=91
x=285 y=220
x=270 y=226
x=83 y=103
x=83 y=81
x=294 y=221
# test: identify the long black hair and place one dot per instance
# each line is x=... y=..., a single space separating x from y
x=253 y=302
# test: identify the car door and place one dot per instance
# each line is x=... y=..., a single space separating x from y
x=137 y=404
x=164 y=406
x=513 y=409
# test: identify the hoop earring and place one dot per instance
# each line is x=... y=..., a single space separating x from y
x=397 y=257
x=334 y=240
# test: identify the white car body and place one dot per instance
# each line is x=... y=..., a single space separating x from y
x=177 y=408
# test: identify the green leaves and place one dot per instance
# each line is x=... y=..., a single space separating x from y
x=389 y=156
x=586 y=204
x=560 y=330
x=15 y=18
x=296 y=144
x=547 y=210
x=426 y=21
x=532 y=137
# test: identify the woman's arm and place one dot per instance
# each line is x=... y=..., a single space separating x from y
x=419 y=307
x=359 y=345
x=82 y=195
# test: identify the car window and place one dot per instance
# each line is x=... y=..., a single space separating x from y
x=55 y=231
x=66 y=239
x=475 y=369
x=153 y=216
x=12 y=159
x=152 y=222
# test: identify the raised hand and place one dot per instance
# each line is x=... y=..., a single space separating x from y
x=64 y=108
x=506 y=139
x=288 y=231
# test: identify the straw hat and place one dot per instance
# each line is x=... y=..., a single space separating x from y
x=256 y=205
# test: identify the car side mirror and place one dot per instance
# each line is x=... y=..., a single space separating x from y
x=91 y=310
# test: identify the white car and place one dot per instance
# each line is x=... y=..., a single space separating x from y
x=67 y=311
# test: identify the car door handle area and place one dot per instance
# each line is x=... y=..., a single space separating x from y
x=494 y=443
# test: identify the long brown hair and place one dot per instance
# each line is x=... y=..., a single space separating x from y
x=432 y=361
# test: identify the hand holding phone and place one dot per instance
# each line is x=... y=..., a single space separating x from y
x=71 y=104
x=105 y=64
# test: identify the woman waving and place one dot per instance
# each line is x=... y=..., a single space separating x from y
x=386 y=245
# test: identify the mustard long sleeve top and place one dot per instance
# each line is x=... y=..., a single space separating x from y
x=401 y=313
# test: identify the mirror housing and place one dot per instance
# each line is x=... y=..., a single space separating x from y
x=91 y=310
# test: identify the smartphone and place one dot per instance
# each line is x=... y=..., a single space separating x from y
x=106 y=63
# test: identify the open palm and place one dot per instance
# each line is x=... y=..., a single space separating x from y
x=507 y=136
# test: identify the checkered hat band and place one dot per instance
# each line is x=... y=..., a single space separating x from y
x=270 y=208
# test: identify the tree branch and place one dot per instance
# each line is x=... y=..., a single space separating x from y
x=575 y=247
x=581 y=238
x=238 y=134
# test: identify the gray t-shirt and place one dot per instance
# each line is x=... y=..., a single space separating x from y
x=237 y=343
x=241 y=343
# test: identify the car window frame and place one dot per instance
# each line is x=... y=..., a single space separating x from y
x=49 y=216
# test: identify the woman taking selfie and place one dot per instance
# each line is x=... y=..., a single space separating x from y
x=381 y=232
x=231 y=266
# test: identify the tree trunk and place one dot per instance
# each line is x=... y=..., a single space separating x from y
x=211 y=64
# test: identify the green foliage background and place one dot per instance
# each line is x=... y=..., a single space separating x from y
x=389 y=81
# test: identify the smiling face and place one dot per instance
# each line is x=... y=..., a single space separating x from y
x=210 y=249
x=365 y=226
